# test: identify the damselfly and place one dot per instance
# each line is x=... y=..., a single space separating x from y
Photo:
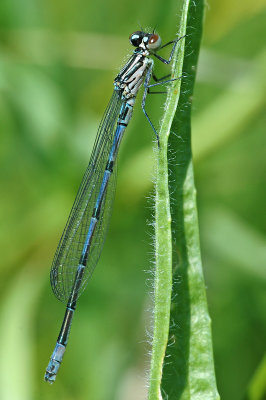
x=83 y=237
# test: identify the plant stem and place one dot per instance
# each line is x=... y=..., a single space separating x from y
x=180 y=312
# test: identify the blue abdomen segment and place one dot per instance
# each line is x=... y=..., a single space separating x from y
x=99 y=204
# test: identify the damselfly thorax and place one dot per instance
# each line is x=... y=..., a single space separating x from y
x=130 y=79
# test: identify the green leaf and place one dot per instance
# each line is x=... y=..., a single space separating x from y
x=257 y=385
x=182 y=360
x=17 y=345
x=230 y=228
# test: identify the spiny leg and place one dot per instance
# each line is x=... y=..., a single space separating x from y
x=160 y=79
x=143 y=102
x=147 y=91
x=164 y=60
x=162 y=82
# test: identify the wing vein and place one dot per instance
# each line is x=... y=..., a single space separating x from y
x=67 y=256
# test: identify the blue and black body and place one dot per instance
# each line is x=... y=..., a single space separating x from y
x=83 y=237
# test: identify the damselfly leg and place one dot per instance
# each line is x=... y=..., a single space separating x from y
x=159 y=81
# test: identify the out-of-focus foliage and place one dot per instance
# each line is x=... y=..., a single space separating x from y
x=57 y=63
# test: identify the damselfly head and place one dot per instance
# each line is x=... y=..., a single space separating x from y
x=150 y=41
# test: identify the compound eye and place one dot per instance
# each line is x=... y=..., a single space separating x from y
x=136 y=38
x=154 y=42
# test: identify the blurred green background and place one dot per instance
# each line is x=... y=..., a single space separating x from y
x=57 y=63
